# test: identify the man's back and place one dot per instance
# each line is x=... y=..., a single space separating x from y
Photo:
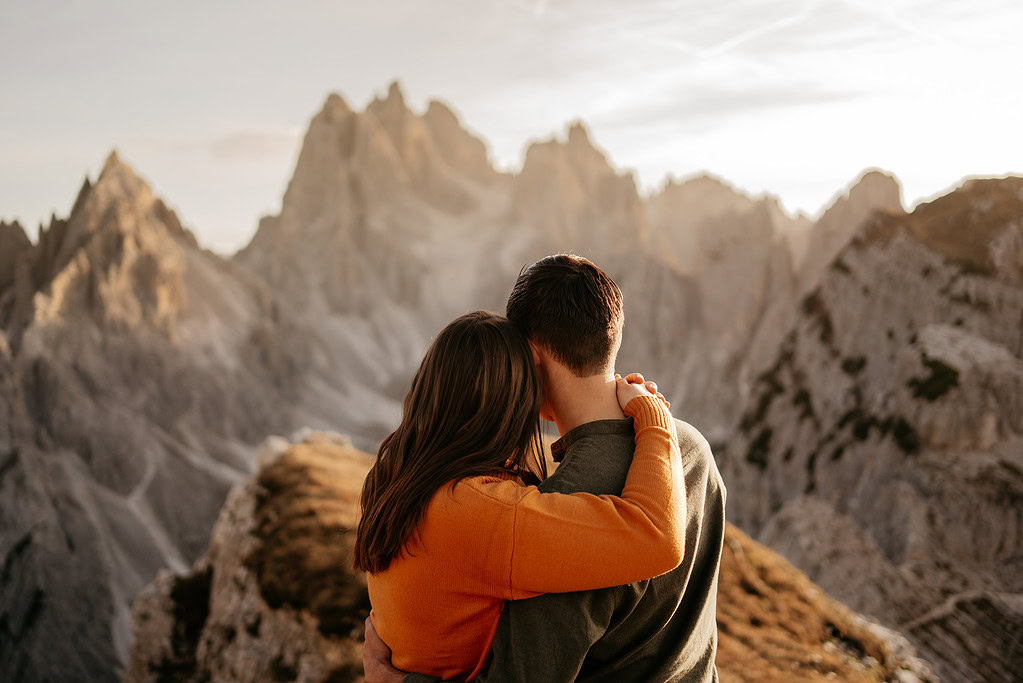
x=661 y=629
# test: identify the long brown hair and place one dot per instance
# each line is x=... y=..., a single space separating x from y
x=473 y=409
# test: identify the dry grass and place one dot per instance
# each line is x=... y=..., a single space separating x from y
x=306 y=519
x=774 y=624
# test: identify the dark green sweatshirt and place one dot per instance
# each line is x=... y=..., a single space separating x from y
x=660 y=629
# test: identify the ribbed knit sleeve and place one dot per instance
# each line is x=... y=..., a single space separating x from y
x=568 y=542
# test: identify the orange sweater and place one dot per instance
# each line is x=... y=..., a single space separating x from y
x=493 y=539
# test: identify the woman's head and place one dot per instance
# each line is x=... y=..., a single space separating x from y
x=473 y=408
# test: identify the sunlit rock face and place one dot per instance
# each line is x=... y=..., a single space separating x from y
x=274 y=597
x=882 y=451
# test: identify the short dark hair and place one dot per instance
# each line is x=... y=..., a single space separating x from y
x=572 y=308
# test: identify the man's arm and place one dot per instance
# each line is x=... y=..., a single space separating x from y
x=546 y=638
x=540 y=639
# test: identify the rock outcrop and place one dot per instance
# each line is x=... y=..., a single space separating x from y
x=13 y=244
x=882 y=452
x=14 y=262
x=274 y=597
x=874 y=190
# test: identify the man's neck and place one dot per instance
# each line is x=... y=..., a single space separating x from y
x=578 y=400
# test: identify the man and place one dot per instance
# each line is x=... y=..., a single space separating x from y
x=660 y=629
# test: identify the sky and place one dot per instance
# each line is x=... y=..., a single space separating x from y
x=209 y=100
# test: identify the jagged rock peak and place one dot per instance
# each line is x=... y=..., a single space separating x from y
x=335 y=105
x=12 y=235
x=460 y=148
x=112 y=162
x=703 y=179
x=83 y=194
x=581 y=147
x=439 y=109
x=441 y=117
x=976 y=225
x=119 y=204
x=873 y=186
x=873 y=191
x=575 y=150
x=394 y=93
x=683 y=205
x=121 y=187
x=569 y=191
x=704 y=189
x=117 y=183
x=13 y=244
x=353 y=163
x=579 y=135
x=391 y=109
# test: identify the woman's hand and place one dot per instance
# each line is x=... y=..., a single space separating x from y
x=634 y=385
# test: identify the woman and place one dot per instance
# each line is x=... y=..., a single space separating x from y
x=448 y=529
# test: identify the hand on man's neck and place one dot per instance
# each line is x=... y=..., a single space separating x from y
x=574 y=400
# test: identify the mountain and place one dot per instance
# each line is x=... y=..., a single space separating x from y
x=379 y=242
x=274 y=597
x=395 y=222
x=136 y=370
x=139 y=371
x=874 y=190
x=882 y=451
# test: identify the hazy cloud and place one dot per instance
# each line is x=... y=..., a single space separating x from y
x=243 y=146
x=253 y=145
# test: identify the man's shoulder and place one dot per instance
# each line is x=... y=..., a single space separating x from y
x=595 y=463
x=697 y=454
x=689 y=437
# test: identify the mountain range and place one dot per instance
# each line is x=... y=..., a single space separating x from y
x=859 y=375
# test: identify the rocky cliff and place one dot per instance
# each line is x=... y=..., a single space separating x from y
x=274 y=597
x=882 y=451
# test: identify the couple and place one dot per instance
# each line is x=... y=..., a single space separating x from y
x=482 y=568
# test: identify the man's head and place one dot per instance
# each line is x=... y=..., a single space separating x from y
x=571 y=309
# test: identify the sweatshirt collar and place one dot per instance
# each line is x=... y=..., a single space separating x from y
x=613 y=426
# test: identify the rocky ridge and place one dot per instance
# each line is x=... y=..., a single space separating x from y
x=882 y=451
x=394 y=222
